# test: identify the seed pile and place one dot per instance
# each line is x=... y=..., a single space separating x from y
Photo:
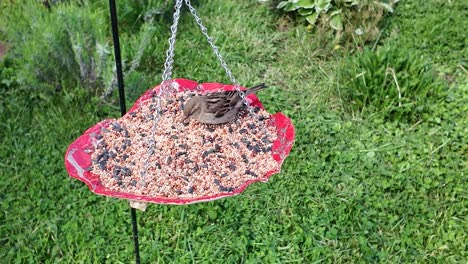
x=179 y=158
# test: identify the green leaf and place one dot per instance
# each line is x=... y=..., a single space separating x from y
x=281 y=4
x=336 y=21
x=312 y=18
x=351 y=3
x=305 y=12
x=291 y=6
x=306 y=4
x=322 y=5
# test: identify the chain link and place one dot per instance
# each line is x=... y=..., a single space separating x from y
x=223 y=63
x=166 y=85
x=168 y=65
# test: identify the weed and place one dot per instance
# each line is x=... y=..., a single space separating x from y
x=398 y=83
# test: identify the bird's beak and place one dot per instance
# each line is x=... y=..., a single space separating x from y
x=185 y=119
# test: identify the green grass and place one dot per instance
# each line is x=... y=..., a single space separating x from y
x=355 y=188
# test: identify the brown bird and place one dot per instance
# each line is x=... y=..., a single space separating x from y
x=217 y=108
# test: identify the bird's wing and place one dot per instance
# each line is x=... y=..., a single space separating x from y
x=220 y=103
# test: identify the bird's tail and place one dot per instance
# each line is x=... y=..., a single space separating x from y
x=255 y=88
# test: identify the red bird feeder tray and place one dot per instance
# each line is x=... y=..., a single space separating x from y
x=78 y=158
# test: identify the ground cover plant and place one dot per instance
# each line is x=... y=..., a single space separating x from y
x=359 y=185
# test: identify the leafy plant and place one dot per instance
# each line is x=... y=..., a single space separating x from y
x=68 y=44
x=397 y=82
x=355 y=18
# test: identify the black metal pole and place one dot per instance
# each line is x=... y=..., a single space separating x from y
x=123 y=108
x=118 y=59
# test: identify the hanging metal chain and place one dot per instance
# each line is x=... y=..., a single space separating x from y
x=210 y=41
x=167 y=84
x=223 y=63
x=168 y=65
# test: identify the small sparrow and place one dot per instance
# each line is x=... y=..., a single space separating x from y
x=217 y=108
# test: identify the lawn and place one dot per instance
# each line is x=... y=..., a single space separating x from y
x=360 y=185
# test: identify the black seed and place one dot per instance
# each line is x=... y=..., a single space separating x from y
x=112 y=154
x=208 y=152
x=256 y=109
x=251 y=126
x=248 y=172
x=188 y=161
x=221 y=156
x=196 y=168
x=230 y=130
x=168 y=160
x=190 y=189
x=217 y=148
x=257 y=149
x=180 y=153
x=265 y=140
x=126 y=133
x=99 y=136
x=183 y=146
x=268 y=149
x=157 y=165
x=105 y=130
x=151 y=152
x=185 y=178
x=245 y=140
x=211 y=130
x=124 y=156
x=236 y=144
x=170 y=101
x=133 y=183
x=102 y=144
x=216 y=181
x=143 y=134
x=117 y=127
x=225 y=189
x=104 y=156
x=243 y=131
x=228 y=189
x=174 y=137
x=126 y=172
x=232 y=167
x=132 y=163
x=102 y=165
x=179 y=192
x=254 y=132
x=261 y=118
x=203 y=166
x=224 y=175
x=244 y=157
x=173 y=127
x=132 y=114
